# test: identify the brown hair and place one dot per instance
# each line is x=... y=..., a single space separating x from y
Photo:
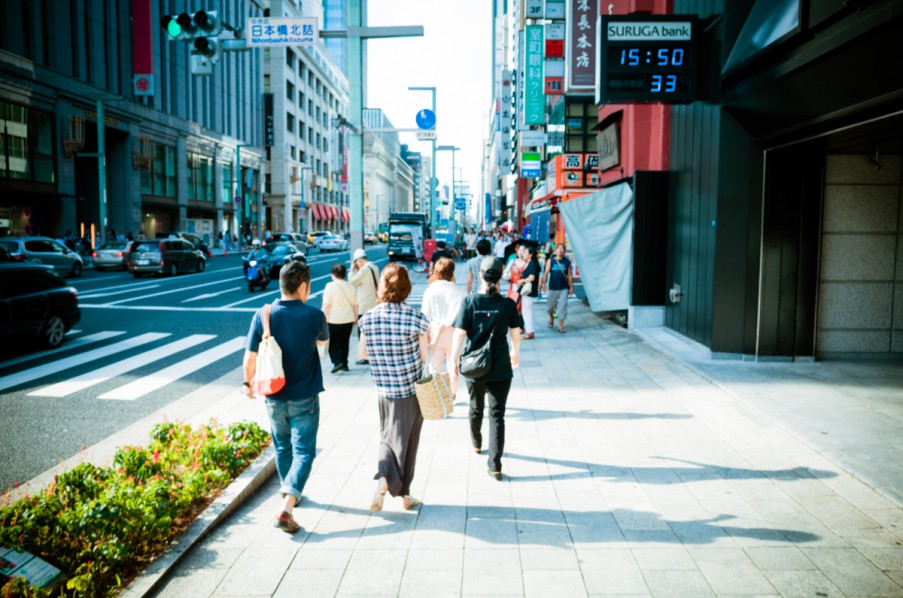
x=394 y=284
x=339 y=271
x=444 y=269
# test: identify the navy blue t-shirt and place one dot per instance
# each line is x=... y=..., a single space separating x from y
x=558 y=273
x=532 y=269
x=297 y=328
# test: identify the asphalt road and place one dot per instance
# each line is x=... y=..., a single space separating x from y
x=141 y=344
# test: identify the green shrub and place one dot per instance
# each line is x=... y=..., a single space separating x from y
x=101 y=526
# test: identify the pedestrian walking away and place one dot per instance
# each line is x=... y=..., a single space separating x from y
x=557 y=274
x=528 y=288
x=340 y=307
x=395 y=336
x=484 y=248
x=364 y=276
x=441 y=303
x=513 y=271
x=485 y=318
x=294 y=411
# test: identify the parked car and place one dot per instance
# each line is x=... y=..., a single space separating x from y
x=35 y=303
x=44 y=250
x=272 y=256
x=296 y=239
x=5 y=256
x=370 y=238
x=111 y=255
x=196 y=241
x=333 y=243
x=314 y=235
x=164 y=256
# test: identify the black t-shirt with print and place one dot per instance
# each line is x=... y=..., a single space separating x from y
x=479 y=316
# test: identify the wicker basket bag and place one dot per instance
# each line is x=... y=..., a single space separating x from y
x=434 y=394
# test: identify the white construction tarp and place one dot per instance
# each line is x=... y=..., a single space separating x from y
x=600 y=229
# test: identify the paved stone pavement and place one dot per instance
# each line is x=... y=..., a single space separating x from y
x=627 y=473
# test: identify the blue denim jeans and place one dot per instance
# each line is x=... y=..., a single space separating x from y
x=293 y=425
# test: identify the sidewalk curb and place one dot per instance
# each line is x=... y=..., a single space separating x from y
x=240 y=490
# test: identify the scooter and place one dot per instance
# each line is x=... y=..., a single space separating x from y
x=256 y=276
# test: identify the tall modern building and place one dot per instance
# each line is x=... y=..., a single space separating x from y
x=307 y=94
x=182 y=152
x=334 y=19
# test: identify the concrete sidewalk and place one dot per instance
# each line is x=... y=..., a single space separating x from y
x=627 y=472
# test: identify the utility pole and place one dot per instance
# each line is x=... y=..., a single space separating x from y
x=434 y=207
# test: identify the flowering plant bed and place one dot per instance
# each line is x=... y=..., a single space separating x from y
x=102 y=526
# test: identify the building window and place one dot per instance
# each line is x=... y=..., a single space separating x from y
x=289 y=122
x=301 y=71
x=301 y=99
x=227 y=184
x=200 y=177
x=290 y=92
x=310 y=135
x=160 y=179
x=580 y=119
x=26 y=144
x=289 y=58
x=310 y=107
x=318 y=114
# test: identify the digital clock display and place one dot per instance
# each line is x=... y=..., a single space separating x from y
x=647 y=58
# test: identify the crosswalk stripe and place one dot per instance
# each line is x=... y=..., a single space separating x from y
x=96 y=295
x=178 y=290
x=142 y=386
x=69 y=344
x=103 y=374
x=70 y=362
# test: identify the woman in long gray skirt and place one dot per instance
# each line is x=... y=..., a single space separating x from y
x=394 y=335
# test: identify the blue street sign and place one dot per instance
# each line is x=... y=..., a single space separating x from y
x=460 y=203
x=426 y=119
x=237 y=199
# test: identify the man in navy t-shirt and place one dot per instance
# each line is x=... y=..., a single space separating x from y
x=294 y=410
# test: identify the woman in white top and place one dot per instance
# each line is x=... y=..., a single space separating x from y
x=340 y=307
x=441 y=303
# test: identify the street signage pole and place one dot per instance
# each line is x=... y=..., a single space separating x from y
x=434 y=202
x=356 y=35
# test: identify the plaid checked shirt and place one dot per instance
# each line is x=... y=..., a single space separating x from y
x=392 y=332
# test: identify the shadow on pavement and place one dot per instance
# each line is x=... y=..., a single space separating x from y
x=544 y=414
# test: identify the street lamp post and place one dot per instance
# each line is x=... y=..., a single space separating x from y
x=433 y=203
x=452 y=149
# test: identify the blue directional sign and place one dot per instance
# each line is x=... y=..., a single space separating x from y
x=426 y=119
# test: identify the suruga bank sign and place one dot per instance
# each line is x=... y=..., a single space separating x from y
x=650 y=32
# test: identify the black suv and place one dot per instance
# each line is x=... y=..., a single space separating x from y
x=36 y=303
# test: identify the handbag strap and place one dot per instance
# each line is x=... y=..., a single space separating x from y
x=375 y=284
x=266 y=320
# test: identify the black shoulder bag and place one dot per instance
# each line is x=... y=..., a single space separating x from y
x=476 y=363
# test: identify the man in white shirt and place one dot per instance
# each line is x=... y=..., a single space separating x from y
x=500 y=246
x=364 y=277
x=470 y=243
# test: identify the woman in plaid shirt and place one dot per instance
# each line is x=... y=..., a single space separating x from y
x=395 y=337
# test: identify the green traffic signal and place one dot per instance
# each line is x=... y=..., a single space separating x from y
x=173 y=28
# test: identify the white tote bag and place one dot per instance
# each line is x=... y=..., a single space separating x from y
x=269 y=377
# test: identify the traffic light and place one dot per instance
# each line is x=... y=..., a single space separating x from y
x=191 y=26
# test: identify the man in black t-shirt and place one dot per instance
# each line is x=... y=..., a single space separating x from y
x=487 y=317
x=440 y=252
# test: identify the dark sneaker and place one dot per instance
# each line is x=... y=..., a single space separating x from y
x=362 y=362
x=336 y=368
x=286 y=523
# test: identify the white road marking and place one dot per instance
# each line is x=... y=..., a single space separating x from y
x=133 y=285
x=178 y=290
x=138 y=284
x=93 y=295
x=209 y=295
x=157 y=380
x=252 y=298
x=73 y=344
x=103 y=374
x=70 y=362
x=170 y=308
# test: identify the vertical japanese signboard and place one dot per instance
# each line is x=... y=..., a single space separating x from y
x=506 y=151
x=269 y=128
x=581 y=58
x=534 y=99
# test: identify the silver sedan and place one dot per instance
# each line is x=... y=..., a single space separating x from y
x=111 y=255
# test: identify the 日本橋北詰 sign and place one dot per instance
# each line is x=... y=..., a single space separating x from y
x=282 y=31
x=534 y=96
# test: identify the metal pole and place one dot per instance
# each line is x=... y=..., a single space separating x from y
x=433 y=200
x=355 y=13
x=236 y=178
x=101 y=172
x=454 y=197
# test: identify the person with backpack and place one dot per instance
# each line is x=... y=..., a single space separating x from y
x=484 y=320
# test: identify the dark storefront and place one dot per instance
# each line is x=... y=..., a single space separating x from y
x=785 y=212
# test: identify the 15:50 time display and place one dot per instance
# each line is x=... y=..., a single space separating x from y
x=673 y=57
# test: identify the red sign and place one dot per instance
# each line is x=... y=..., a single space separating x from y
x=581 y=50
x=142 y=47
x=554 y=86
x=554 y=48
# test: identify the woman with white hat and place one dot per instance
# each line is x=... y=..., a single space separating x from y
x=364 y=277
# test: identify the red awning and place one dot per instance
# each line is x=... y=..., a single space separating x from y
x=334 y=212
x=318 y=213
x=346 y=216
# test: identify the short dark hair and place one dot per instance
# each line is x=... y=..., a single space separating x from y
x=440 y=244
x=484 y=246
x=292 y=276
x=339 y=271
x=394 y=284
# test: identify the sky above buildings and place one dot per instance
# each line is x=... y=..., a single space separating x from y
x=455 y=56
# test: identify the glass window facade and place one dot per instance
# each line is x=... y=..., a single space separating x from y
x=200 y=177
x=26 y=144
x=160 y=178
